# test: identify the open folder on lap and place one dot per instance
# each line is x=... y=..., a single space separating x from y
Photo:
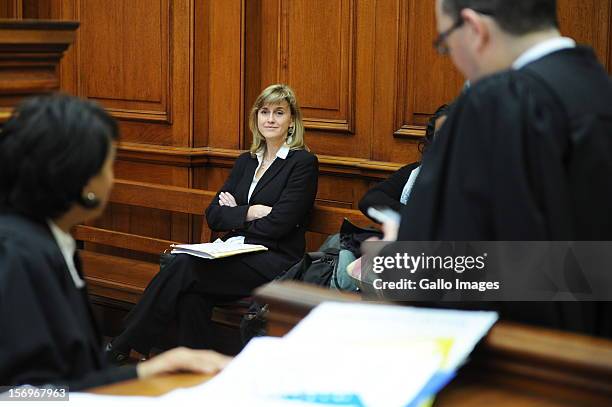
x=218 y=248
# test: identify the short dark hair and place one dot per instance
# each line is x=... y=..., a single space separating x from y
x=516 y=17
x=49 y=150
x=430 y=130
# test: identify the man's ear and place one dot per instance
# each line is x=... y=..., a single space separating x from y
x=477 y=28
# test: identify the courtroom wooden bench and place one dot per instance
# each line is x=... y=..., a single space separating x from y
x=121 y=280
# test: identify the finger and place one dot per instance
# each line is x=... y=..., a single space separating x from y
x=202 y=361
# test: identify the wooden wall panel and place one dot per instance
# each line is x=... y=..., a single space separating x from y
x=317 y=48
x=322 y=75
x=219 y=74
x=133 y=81
x=225 y=73
x=588 y=22
x=141 y=72
x=426 y=79
x=37 y=9
x=11 y=9
x=389 y=76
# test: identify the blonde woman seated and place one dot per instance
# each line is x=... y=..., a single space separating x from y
x=266 y=200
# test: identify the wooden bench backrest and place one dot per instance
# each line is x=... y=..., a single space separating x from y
x=324 y=220
x=124 y=279
x=170 y=198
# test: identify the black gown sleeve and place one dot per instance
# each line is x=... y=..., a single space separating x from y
x=98 y=378
x=493 y=172
x=40 y=343
x=388 y=192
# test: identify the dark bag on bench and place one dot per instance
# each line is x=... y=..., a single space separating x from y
x=318 y=268
x=315 y=268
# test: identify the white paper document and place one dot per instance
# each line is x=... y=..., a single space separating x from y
x=272 y=371
x=333 y=322
x=343 y=354
x=218 y=248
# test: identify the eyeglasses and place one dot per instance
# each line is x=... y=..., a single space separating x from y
x=440 y=42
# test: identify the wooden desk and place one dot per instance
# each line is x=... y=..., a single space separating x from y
x=155 y=386
x=461 y=392
x=515 y=365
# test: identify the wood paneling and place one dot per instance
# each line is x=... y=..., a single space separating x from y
x=136 y=59
x=588 y=22
x=321 y=75
x=37 y=9
x=219 y=73
x=11 y=9
x=30 y=53
x=133 y=82
x=316 y=48
x=187 y=73
x=425 y=80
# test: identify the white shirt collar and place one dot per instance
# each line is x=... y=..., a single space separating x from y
x=282 y=152
x=67 y=246
x=542 y=49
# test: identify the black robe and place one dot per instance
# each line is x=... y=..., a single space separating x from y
x=388 y=192
x=524 y=155
x=47 y=331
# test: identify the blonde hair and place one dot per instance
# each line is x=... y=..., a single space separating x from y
x=272 y=95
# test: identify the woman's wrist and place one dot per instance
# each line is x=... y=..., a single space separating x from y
x=250 y=216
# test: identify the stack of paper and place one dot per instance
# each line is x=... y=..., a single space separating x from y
x=348 y=354
x=218 y=248
x=454 y=333
x=272 y=371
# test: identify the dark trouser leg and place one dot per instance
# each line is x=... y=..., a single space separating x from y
x=150 y=317
x=221 y=280
x=193 y=314
x=213 y=280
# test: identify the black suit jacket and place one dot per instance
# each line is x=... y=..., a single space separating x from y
x=388 y=192
x=289 y=186
x=47 y=329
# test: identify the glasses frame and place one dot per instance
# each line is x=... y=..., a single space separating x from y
x=439 y=43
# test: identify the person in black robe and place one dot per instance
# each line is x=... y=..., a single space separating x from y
x=526 y=153
x=56 y=171
x=394 y=191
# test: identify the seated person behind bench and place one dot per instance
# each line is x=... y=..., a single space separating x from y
x=267 y=199
x=395 y=190
x=56 y=171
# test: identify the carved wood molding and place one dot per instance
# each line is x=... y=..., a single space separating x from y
x=30 y=52
x=409 y=131
x=211 y=156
